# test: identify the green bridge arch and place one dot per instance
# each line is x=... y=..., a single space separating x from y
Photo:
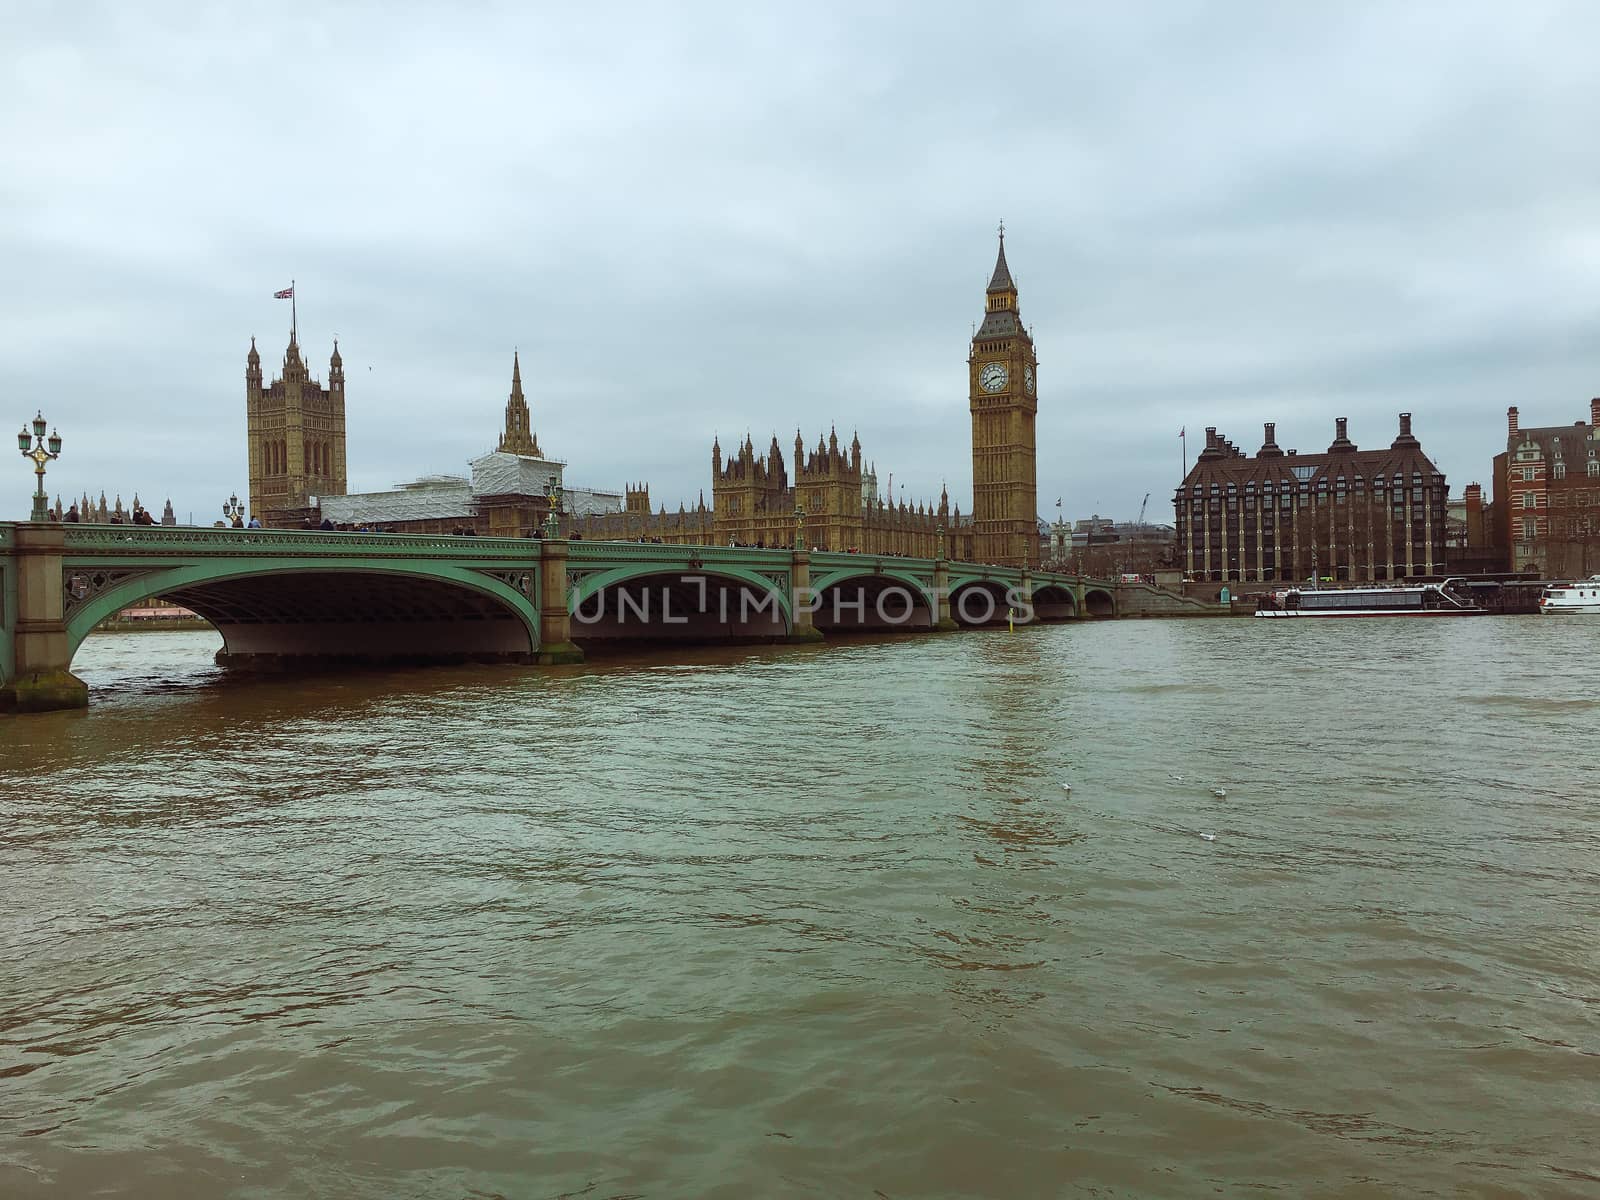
x=591 y=584
x=171 y=581
x=873 y=570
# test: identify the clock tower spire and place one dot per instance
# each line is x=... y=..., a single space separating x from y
x=1002 y=387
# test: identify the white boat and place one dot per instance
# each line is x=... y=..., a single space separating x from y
x=1582 y=596
x=1419 y=600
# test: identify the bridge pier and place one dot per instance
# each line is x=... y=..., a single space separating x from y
x=556 y=647
x=41 y=651
x=803 y=629
x=943 y=622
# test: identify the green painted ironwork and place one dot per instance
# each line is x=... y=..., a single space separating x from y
x=173 y=579
x=138 y=561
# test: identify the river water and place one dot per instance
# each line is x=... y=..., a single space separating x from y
x=817 y=921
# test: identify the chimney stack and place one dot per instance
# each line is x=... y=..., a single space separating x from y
x=1404 y=440
x=1211 y=436
x=1341 y=436
x=1511 y=419
x=1594 y=411
x=1475 y=526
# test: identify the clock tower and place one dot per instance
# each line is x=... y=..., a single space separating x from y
x=1003 y=386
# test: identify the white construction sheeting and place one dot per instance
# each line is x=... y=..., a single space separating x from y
x=502 y=474
x=424 y=500
x=453 y=497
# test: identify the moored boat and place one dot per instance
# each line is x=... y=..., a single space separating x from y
x=1417 y=600
x=1582 y=596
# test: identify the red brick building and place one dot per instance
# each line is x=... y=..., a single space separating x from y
x=1347 y=514
x=1547 y=496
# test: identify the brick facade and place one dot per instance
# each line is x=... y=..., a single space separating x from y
x=1347 y=514
x=1547 y=496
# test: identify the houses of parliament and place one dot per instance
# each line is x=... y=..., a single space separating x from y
x=298 y=473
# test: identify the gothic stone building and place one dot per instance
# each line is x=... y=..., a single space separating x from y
x=296 y=436
x=1348 y=514
x=1547 y=496
x=507 y=493
x=1003 y=389
x=756 y=501
x=297 y=453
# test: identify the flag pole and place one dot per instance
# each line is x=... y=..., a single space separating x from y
x=1183 y=441
x=294 y=316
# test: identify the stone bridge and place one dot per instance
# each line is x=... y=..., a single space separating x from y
x=284 y=596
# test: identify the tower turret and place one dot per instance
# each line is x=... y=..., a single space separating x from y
x=1002 y=386
x=518 y=437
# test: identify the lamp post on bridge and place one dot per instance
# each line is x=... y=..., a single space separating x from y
x=552 y=520
x=233 y=511
x=41 y=451
x=799 y=527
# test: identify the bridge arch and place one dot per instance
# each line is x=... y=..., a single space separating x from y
x=322 y=608
x=872 y=598
x=1054 y=602
x=1098 y=602
x=977 y=600
x=644 y=602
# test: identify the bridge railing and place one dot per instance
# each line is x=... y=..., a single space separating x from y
x=589 y=551
x=122 y=539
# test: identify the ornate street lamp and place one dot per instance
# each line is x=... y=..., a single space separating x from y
x=232 y=510
x=799 y=527
x=552 y=520
x=41 y=450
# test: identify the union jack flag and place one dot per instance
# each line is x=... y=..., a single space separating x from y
x=286 y=294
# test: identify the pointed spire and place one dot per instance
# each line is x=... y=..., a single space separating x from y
x=254 y=357
x=518 y=437
x=336 y=360
x=1001 y=280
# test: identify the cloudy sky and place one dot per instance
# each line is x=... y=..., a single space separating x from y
x=749 y=217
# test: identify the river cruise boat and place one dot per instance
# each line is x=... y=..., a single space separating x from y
x=1580 y=597
x=1418 y=600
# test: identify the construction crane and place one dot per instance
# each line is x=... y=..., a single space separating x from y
x=1142 y=507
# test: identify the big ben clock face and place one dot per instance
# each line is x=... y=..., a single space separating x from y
x=993 y=377
x=1027 y=379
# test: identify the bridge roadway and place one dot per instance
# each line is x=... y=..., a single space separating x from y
x=282 y=596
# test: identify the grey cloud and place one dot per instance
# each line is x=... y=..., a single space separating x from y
x=733 y=219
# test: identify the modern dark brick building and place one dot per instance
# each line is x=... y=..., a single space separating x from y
x=1347 y=514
